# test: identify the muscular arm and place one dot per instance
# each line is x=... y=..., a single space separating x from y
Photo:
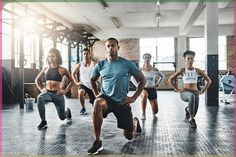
x=74 y=73
x=67 y=74
x=161 y=75
x=173 y=77
x=93 y=81
x=38 y=79
x=204 y=75
x=132 y=79
x=142 y=81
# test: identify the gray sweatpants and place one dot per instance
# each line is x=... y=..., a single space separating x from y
x=58 y=100
x=193 y=101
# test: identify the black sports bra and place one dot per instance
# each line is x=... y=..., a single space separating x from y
x=53 y=74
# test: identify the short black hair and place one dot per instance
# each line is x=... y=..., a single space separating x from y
x=114 y=39
x=189 y=52
x=58 y=55
x=86 y=49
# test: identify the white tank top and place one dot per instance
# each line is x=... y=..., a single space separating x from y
x=85 y=73
x=190 y=76
x=150 y=77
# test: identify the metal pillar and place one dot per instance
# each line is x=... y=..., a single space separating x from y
x=21 y=70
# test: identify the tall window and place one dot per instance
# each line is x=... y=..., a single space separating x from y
x=31 y=48
x=6 y=35
x=222 y=52
x=162 y=51
x=73 y=57
x=198 y=45
x=47 y=45
x=6 y=41
x=17 y=47
x=64 y=54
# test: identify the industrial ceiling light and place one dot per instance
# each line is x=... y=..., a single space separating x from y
x=158 y=2
x=115 y=21
x=158 y=18
x=103 y=4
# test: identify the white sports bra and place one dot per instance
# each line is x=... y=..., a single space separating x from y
x=190 y=76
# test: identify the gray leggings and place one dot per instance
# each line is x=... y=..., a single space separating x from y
x=58 y=100
x=193 y=100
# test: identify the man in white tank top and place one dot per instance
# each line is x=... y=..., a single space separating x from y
x=83 y=70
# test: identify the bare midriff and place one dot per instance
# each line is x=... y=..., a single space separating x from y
x=53 y=85
x=190 y=86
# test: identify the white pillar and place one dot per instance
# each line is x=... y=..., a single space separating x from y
x=211 y=31
x=182 y=47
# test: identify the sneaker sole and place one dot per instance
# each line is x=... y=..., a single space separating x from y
x=83 y=113
x=43 y=127
x=192 y=126
x=143 y=118
x=186 y=112
x=139 y=129
x=100 y=149
x=69 y=117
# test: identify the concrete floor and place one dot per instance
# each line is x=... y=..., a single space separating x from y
x=168 y=134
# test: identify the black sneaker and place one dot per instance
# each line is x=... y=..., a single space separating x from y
x=192 y=123
x=42 y=125
x=138 y=130
x=187 y=113
x=96 y=148
x=83 y=111
x=69 y=116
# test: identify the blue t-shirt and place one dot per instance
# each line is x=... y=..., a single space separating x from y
x=115 y=77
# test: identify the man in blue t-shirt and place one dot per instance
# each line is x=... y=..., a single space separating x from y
x=115 y=72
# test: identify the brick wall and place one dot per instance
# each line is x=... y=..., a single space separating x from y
x=129 y=49
x=230 y=53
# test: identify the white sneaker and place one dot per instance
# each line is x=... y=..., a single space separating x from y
x=143 y=117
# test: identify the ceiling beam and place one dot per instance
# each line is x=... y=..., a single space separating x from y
x=190 y=16
x=39 y=8
x=224 y=4
x=122 y=33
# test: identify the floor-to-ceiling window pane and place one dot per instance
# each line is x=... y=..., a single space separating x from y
x=162 y=51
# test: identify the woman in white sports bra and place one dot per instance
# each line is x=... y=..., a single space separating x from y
x=190 y=93
x=149 y=92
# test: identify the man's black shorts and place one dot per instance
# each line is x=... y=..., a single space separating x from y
x=122 y=113
x=88 y=91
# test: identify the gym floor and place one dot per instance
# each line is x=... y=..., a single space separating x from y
x=167 y=134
